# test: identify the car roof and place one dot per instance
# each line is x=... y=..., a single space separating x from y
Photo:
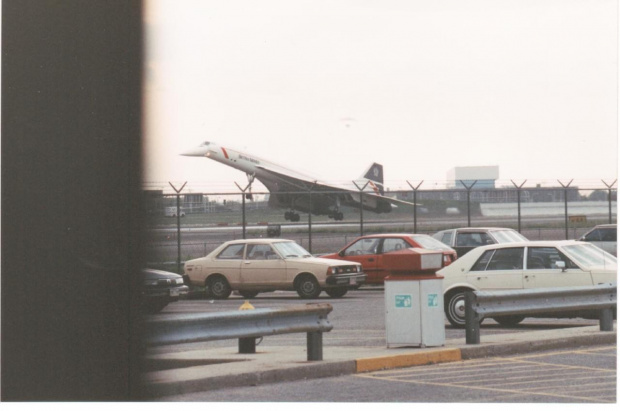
x=538 y=243
x=259 y=241
x=382 y=235
x=475 y=229
x=605 y=226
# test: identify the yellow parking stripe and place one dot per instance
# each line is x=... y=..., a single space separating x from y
x=408 y=360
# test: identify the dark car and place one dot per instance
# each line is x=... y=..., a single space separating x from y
x=159 y=288
x=604 y=236
x=371 y=251
x=464 y=240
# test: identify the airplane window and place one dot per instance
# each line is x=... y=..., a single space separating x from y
x=206 y=143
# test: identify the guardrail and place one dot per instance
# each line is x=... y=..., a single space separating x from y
x=246 y=325
x=484 y=304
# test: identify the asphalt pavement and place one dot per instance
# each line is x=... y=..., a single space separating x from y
x=174 y=373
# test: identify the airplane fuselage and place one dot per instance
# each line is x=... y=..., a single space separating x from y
x=298 y=191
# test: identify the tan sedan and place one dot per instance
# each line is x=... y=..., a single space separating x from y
x=262 y=265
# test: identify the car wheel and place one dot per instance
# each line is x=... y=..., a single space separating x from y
x=218 y=288
x=307 y=287
x=248 y=293
x=509 y=320
x=454 y=307
x=336 y=292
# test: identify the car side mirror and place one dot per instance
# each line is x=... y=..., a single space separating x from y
x=561 y=265
x=341 y=253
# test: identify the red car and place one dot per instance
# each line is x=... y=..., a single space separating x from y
x=370 y=250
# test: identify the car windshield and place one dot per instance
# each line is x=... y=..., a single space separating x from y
x=507 y=236
x=430 y=243
x=291 y=249
x=588 y=255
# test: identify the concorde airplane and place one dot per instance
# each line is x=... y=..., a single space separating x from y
x=291 y=189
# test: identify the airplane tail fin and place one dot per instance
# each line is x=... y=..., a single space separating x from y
x=374 y=174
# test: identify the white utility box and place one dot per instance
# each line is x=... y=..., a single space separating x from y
x=414 y=311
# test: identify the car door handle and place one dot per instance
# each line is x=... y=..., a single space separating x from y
x=371 y=259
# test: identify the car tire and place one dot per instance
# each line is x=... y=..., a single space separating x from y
x=336 y=292
x=454 y=307
x=509 y=320
x=307 y=287
x=218 y=288
x=248 y=293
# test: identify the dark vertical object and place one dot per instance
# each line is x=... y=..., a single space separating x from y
x=71 y=200
x=361 y=206
x=606 y=320
x=609 y=186
x=518 y=203
x=472 y=323
x=565 y=206
x=314 y=346
x=178 y=191
x=468 y=200
x=415 y=200
x=247 y=345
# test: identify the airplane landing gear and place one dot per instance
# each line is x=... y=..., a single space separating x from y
x=291 y=216
x=337 y=215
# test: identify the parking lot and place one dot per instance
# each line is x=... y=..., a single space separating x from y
x=358 y=319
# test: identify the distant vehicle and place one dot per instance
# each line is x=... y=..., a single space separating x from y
x=525 y=265
x=262 y=265
x=371 y=250
x=172 y=212
x=464 y=240
x=160 y=288
x=603 y=236
x=299 y=192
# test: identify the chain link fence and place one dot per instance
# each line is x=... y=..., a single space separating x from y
x=185 y=226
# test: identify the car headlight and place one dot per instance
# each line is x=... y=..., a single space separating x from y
x=179 y=281
x=150 y=283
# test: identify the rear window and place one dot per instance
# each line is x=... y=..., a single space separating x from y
x=508 y=236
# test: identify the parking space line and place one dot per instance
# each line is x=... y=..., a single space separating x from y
x=513 y=391
x=563 y=366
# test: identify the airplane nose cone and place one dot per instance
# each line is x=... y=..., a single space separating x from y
x=195 y=152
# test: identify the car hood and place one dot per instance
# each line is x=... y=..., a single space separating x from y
x=158 y=275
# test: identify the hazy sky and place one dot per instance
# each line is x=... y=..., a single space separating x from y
x=328 y=87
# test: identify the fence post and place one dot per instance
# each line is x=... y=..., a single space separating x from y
x=609 y=186
x=468 y=200
x=415 y=200
x=243 y=196
x=565 y=206
x=310 y=218
x=518 y=203
x=178 y=191
x=361 y=206
x=472 y=323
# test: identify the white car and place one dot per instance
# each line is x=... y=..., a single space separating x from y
x=532 y=264
x=261 y=265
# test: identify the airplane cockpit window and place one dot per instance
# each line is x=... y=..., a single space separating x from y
x=206 y=143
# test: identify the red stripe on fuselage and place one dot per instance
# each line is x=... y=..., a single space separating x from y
x=225 y=153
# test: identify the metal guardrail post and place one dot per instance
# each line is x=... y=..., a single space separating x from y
x=472 y=323
x=606 y=320
x=314 y=345
x=247 y=345
x=489 y=304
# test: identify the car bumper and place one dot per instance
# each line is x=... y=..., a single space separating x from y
x=170 y=294
x=351 y=280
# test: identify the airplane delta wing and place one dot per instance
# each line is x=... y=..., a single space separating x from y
x=299 y=192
